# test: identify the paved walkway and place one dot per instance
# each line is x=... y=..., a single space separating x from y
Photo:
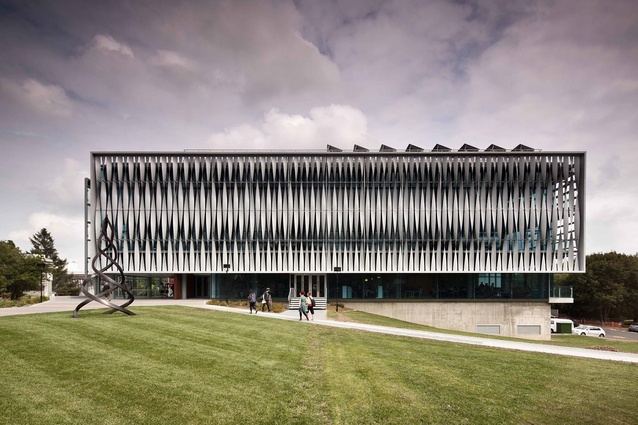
x=59 y=304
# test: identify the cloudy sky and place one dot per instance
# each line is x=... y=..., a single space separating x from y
x=82 y=76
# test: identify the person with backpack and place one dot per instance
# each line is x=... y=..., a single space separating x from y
x=266 y=299
x=303 y=305
x=252 y=300
x=310 y=302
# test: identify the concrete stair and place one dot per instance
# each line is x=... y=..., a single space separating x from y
x=321 y=303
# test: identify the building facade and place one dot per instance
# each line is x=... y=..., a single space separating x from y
x=387 y=231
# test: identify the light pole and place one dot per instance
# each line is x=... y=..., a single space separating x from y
x=42 y=266
x=337 y=270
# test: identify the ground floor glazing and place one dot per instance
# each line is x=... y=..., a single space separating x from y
x=363 y=286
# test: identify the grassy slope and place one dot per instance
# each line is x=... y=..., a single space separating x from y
x=174 y=365
x=557 y=339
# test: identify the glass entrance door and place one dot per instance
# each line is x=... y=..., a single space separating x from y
x=315 y=283
x=202 y=286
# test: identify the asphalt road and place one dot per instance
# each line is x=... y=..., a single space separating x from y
x=615 y=333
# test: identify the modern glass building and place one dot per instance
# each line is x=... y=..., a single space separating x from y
x=373 y=229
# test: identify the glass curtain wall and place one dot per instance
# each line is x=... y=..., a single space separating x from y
x=235 y=285
x=442 y=286
x=145 y=286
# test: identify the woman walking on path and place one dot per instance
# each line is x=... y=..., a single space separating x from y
x=310 y=302
x=266 y=300
x=252 y=300
x=303 y=307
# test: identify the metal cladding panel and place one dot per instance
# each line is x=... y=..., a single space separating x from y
x=374 y=212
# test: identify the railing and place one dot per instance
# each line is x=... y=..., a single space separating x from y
x=562 y=294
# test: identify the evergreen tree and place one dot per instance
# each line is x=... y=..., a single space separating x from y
x=44 y=246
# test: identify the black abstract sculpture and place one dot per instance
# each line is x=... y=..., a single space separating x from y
x=109 y=252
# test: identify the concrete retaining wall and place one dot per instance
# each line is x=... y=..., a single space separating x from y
x=528 y=320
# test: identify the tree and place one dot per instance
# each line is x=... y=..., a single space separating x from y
x=44 y=246
x=18 y=272
x=630 y=310
x=608 y=289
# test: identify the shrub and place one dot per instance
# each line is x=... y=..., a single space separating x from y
x=277 y=306
x=71 y=289
x=22 y=301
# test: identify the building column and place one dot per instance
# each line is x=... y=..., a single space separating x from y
x=184 y=279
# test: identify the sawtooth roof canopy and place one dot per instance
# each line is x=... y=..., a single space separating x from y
x=437 y=148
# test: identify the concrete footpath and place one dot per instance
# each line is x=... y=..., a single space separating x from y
x=61 y=304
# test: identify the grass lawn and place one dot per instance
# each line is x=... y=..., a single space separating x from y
x=178 y=365
x=566 y=340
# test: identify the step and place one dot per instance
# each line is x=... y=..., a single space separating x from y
x=321 y=303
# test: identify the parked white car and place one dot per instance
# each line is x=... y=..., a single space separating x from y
x=589 y=331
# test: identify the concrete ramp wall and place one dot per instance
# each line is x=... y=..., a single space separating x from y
x=528 y=320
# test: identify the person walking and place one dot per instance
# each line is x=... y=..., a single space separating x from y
x=252 y=301
x=310 y=302
x=266 y=299
x=303 y=307
x=126 y=289
x=107 y=291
